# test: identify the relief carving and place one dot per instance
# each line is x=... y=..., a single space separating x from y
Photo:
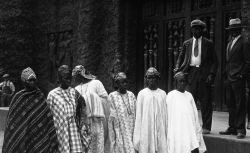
x=60 y=51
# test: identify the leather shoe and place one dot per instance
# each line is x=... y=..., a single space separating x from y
x=248 y=125
x=205 y=131
x=240 y=136
x=228 y=132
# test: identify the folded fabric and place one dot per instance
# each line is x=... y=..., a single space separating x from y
x=94 y=105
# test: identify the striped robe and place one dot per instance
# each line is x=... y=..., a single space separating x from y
x=29 y=126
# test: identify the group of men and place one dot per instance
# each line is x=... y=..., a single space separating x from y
x=199 y=60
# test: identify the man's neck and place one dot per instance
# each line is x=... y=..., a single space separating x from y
x=197 y=38
x=152 y=88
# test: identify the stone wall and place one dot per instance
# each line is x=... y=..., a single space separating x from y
x=245 y=14
x=98 y=27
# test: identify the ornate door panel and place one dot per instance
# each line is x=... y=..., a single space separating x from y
x=165 y=25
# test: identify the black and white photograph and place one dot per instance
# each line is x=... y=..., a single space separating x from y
x=124 y=76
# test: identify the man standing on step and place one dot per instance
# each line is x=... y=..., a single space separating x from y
x=237 y=68
x=198 y=58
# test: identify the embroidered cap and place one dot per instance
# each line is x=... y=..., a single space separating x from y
x=27 y=74
x=179 y=75
x=120 y=76
x=64 y=69
x=152 y=71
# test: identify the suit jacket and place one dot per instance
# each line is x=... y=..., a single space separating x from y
x=209 y=60
x=238 y=60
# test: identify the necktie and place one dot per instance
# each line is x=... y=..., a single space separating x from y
x=196 y=48
x=229 y=47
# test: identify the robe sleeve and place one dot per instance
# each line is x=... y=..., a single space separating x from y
x=112 y=125
x=133 y=99
x=138 y=120
x=101 y=90
x=202 y=146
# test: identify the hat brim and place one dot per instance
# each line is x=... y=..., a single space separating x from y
x=238 y=27
x=203 y=26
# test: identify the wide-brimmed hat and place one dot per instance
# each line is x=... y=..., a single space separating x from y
x=5 y=75
x=235 y=23
x=198 y=22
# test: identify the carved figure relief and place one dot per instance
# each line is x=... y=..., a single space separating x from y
x=174 y=6
x=68 y=52
x=60 y=50
x=150 y=47
x=52 y=58
x=150 y=9
x=175 y=34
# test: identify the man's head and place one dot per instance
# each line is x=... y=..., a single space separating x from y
x=181 y=81
x=152 y=76
x=28 y=78
x=121 y=80
x=81 y=75
x=6 y=77
x=197 y=27
x=118 y=55
x=235 y=27
x=64 y=75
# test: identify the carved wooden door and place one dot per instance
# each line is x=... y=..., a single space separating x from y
x=164 y=26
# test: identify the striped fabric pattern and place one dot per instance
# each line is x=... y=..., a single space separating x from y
x=29 y=126
x=63 y=106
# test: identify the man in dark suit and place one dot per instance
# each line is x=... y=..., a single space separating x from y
x=237 y=68
x=199 y=60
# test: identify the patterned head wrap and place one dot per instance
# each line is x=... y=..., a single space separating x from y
x=64 y=69
x=179 y=75
x=80 y=70
x=120 y=76
x=152 y=71
x=27 y=74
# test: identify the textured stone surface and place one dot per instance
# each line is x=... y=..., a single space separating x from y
x=99 y=28
x=245 y=14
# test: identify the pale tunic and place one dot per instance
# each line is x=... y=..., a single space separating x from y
x=121 y=122
x=150 y=133
x=184 y=130
x=99 y=130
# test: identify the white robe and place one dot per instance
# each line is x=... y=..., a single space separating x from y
x=184 y=130
x=150 y=133
x=96 y=86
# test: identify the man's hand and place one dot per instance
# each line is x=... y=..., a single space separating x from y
x=210 y=79
x=176 y=70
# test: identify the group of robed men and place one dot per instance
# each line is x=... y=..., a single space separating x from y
x=158 y=119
